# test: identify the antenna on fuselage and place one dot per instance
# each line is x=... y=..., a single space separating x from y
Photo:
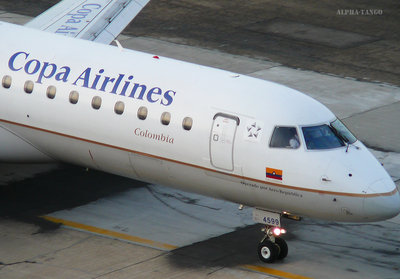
x=118 y=45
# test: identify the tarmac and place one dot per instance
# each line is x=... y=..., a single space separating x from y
x=113 y=227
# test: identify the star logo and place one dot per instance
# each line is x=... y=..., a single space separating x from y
x=253 y=131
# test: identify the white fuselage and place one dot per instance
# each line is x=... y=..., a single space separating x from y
x=219 y=156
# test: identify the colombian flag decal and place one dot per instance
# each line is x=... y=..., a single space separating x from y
x=274 y=173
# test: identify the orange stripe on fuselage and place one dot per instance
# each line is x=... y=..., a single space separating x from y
x=391 y=193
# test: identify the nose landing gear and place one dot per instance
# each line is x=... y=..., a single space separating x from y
x=272 y=247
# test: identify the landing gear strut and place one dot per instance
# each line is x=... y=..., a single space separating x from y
x=272 y=247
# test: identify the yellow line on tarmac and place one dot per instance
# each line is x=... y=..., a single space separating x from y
x=275 y=272
x=152 y=243
x=160 y=245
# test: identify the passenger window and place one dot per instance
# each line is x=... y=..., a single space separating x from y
x=165 y=118
x=28 y=86
x=187 y=123
x=119 y=107
x=6 y=82
x=285 y=137
x=142 y=113
x=96 y=102
x=51 y=92
x=73 y=97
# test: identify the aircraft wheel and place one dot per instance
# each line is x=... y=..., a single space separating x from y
x=268 y=251
x=283 y=248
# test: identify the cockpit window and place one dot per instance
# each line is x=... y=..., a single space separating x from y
x=285 y=137
x=343 y=132
x=321 y=137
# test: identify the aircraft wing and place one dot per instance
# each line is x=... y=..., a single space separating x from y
x=98 y=20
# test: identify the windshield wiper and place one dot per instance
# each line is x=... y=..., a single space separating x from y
x=342 y=137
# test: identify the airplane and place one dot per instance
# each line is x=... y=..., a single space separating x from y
x=66 y=95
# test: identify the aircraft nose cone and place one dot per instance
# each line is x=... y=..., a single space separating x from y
x=383 y=201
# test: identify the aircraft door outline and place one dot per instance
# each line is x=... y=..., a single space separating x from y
x=222 y=139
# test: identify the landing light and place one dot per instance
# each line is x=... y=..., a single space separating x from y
x=278 y=231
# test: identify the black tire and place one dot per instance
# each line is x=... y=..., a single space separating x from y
x=283 y=248
x=267 y=251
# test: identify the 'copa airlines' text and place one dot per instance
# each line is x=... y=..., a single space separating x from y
x=121 y=85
